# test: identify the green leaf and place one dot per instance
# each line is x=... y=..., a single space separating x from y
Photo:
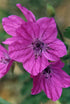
x=66 y=57
x=66 y=45
x=65 y=98
x=35 y=99
x=2 y=101
x=67 y=69
x=67 y=32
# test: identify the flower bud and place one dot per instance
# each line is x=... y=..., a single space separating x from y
x=50 y=10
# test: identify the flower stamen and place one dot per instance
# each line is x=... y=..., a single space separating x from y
x=38 y=47
x=47 y=72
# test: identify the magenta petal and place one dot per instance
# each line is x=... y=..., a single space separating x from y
x=62 y=77
x=35 y=66
x=36 y=85
x=59 y=64
x=29 y=31
x=13 y=40
x=26 y=31
x=10 y=40
x=50 y=56
x=46 y=24
x=11 y=23
x=17 y=50
x=27 y=13
x=43 y=23
x=58 y=48
x=36 y=30
x=4 y=68
x=51 y=89
x=5 y=61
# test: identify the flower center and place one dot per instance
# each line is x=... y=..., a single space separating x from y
x=5 y=59
x=47 y=72
x=38 y=47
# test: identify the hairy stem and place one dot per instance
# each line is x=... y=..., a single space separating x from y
x=60 y=33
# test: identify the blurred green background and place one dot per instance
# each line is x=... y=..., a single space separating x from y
x=16 y=86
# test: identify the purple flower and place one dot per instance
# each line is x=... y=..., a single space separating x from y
x=33 y=42
x=51 y=80
x=5 y=61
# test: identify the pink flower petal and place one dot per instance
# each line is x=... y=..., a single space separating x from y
x=36 y=85
x=58 y=48
x=17 y=49
x=51 y=89
x=35 y=66
x=62 y=77
x=59 y=64
x=11 y=23
x=48 y=30
x=12 y=40
x=26 y=32
x=29 y=30
x=5 y=61
x=27 y=13
x=50 y=56
x=36 y=30
x=4 y=68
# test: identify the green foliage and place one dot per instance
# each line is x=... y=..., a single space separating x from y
x=67 y=68
x=67 y=32
x=66 y=45
x=35 y=99
x=3 y=36
x=65 y=98
x=66 y=57
x=3 y=13
x=2 y=101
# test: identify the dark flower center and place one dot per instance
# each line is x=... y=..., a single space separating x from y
x=38 y=47
x=47 y=72
x=4 y=60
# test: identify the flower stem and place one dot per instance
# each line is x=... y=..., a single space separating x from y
x=60 y=33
